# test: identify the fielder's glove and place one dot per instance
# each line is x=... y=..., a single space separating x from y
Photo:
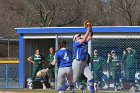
x=87 y=24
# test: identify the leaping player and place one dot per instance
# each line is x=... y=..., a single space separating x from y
x=79 y=64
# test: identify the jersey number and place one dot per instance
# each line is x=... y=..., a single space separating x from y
x=66 y=57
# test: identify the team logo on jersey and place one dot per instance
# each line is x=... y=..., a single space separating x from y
x=37 y=58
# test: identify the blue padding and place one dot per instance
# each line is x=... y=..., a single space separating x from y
x=58 y=30
x=21 y=63
x=50 y=30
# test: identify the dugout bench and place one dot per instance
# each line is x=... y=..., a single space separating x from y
x=38 y=83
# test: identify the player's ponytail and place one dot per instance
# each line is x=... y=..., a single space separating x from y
x=63 y=43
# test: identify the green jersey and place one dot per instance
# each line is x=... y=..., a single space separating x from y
x=50 y=58
x=114 y=62
x=129 y=59
x=97 y=63
x=37 y=59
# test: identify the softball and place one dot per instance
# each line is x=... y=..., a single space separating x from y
x=88 y=23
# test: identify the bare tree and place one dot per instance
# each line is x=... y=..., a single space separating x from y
x=45 y=12
x=127 y=9
x=55 y=13
x=96 y=11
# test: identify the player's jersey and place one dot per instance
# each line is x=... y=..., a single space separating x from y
x=97 y=63
x=37 y=60
x=129 y=59
x=114 y=62
x=50 y=58
x=80 y=51
x=63 y=57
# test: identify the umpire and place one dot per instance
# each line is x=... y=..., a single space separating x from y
x=130 y=66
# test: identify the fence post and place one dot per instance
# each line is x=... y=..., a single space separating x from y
x=6 y=75
x=21 y=62
x=56 y=48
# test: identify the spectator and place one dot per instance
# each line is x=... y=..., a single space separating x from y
x=129 y=66
x=97 y=68
x=114 y=63
x=52 y=70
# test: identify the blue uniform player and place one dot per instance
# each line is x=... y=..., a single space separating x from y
x=81 y=55
x=63 y=58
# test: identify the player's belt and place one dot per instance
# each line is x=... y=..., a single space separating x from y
x=65 y=66
x=68 y=66
x=80 y=60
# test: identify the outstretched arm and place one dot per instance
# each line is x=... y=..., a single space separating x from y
x=54 y=62
x=89 y=36
x=108 y=58
x=88 y=24
x=86 y=36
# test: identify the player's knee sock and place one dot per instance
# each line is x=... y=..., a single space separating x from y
x=65 y=86
x=59 y=89
x=91 y=84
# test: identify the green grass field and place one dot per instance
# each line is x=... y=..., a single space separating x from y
x=46 y=91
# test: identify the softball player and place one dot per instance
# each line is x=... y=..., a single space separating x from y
x=97 y=67
x=129 y=60
x=37 y=61
x=82 y=80
x=80 y=56
x=52 y=70
x=63 y=58
x=114 y=62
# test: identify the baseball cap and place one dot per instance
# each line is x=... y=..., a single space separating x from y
x=95 y=51
x=75 y=36
x=128 y=48
x=113 y=51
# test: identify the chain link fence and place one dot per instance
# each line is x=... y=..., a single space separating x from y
x=116 y=64
x=9 y=74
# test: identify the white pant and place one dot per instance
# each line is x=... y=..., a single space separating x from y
x=65 y=74
x=81 y=67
